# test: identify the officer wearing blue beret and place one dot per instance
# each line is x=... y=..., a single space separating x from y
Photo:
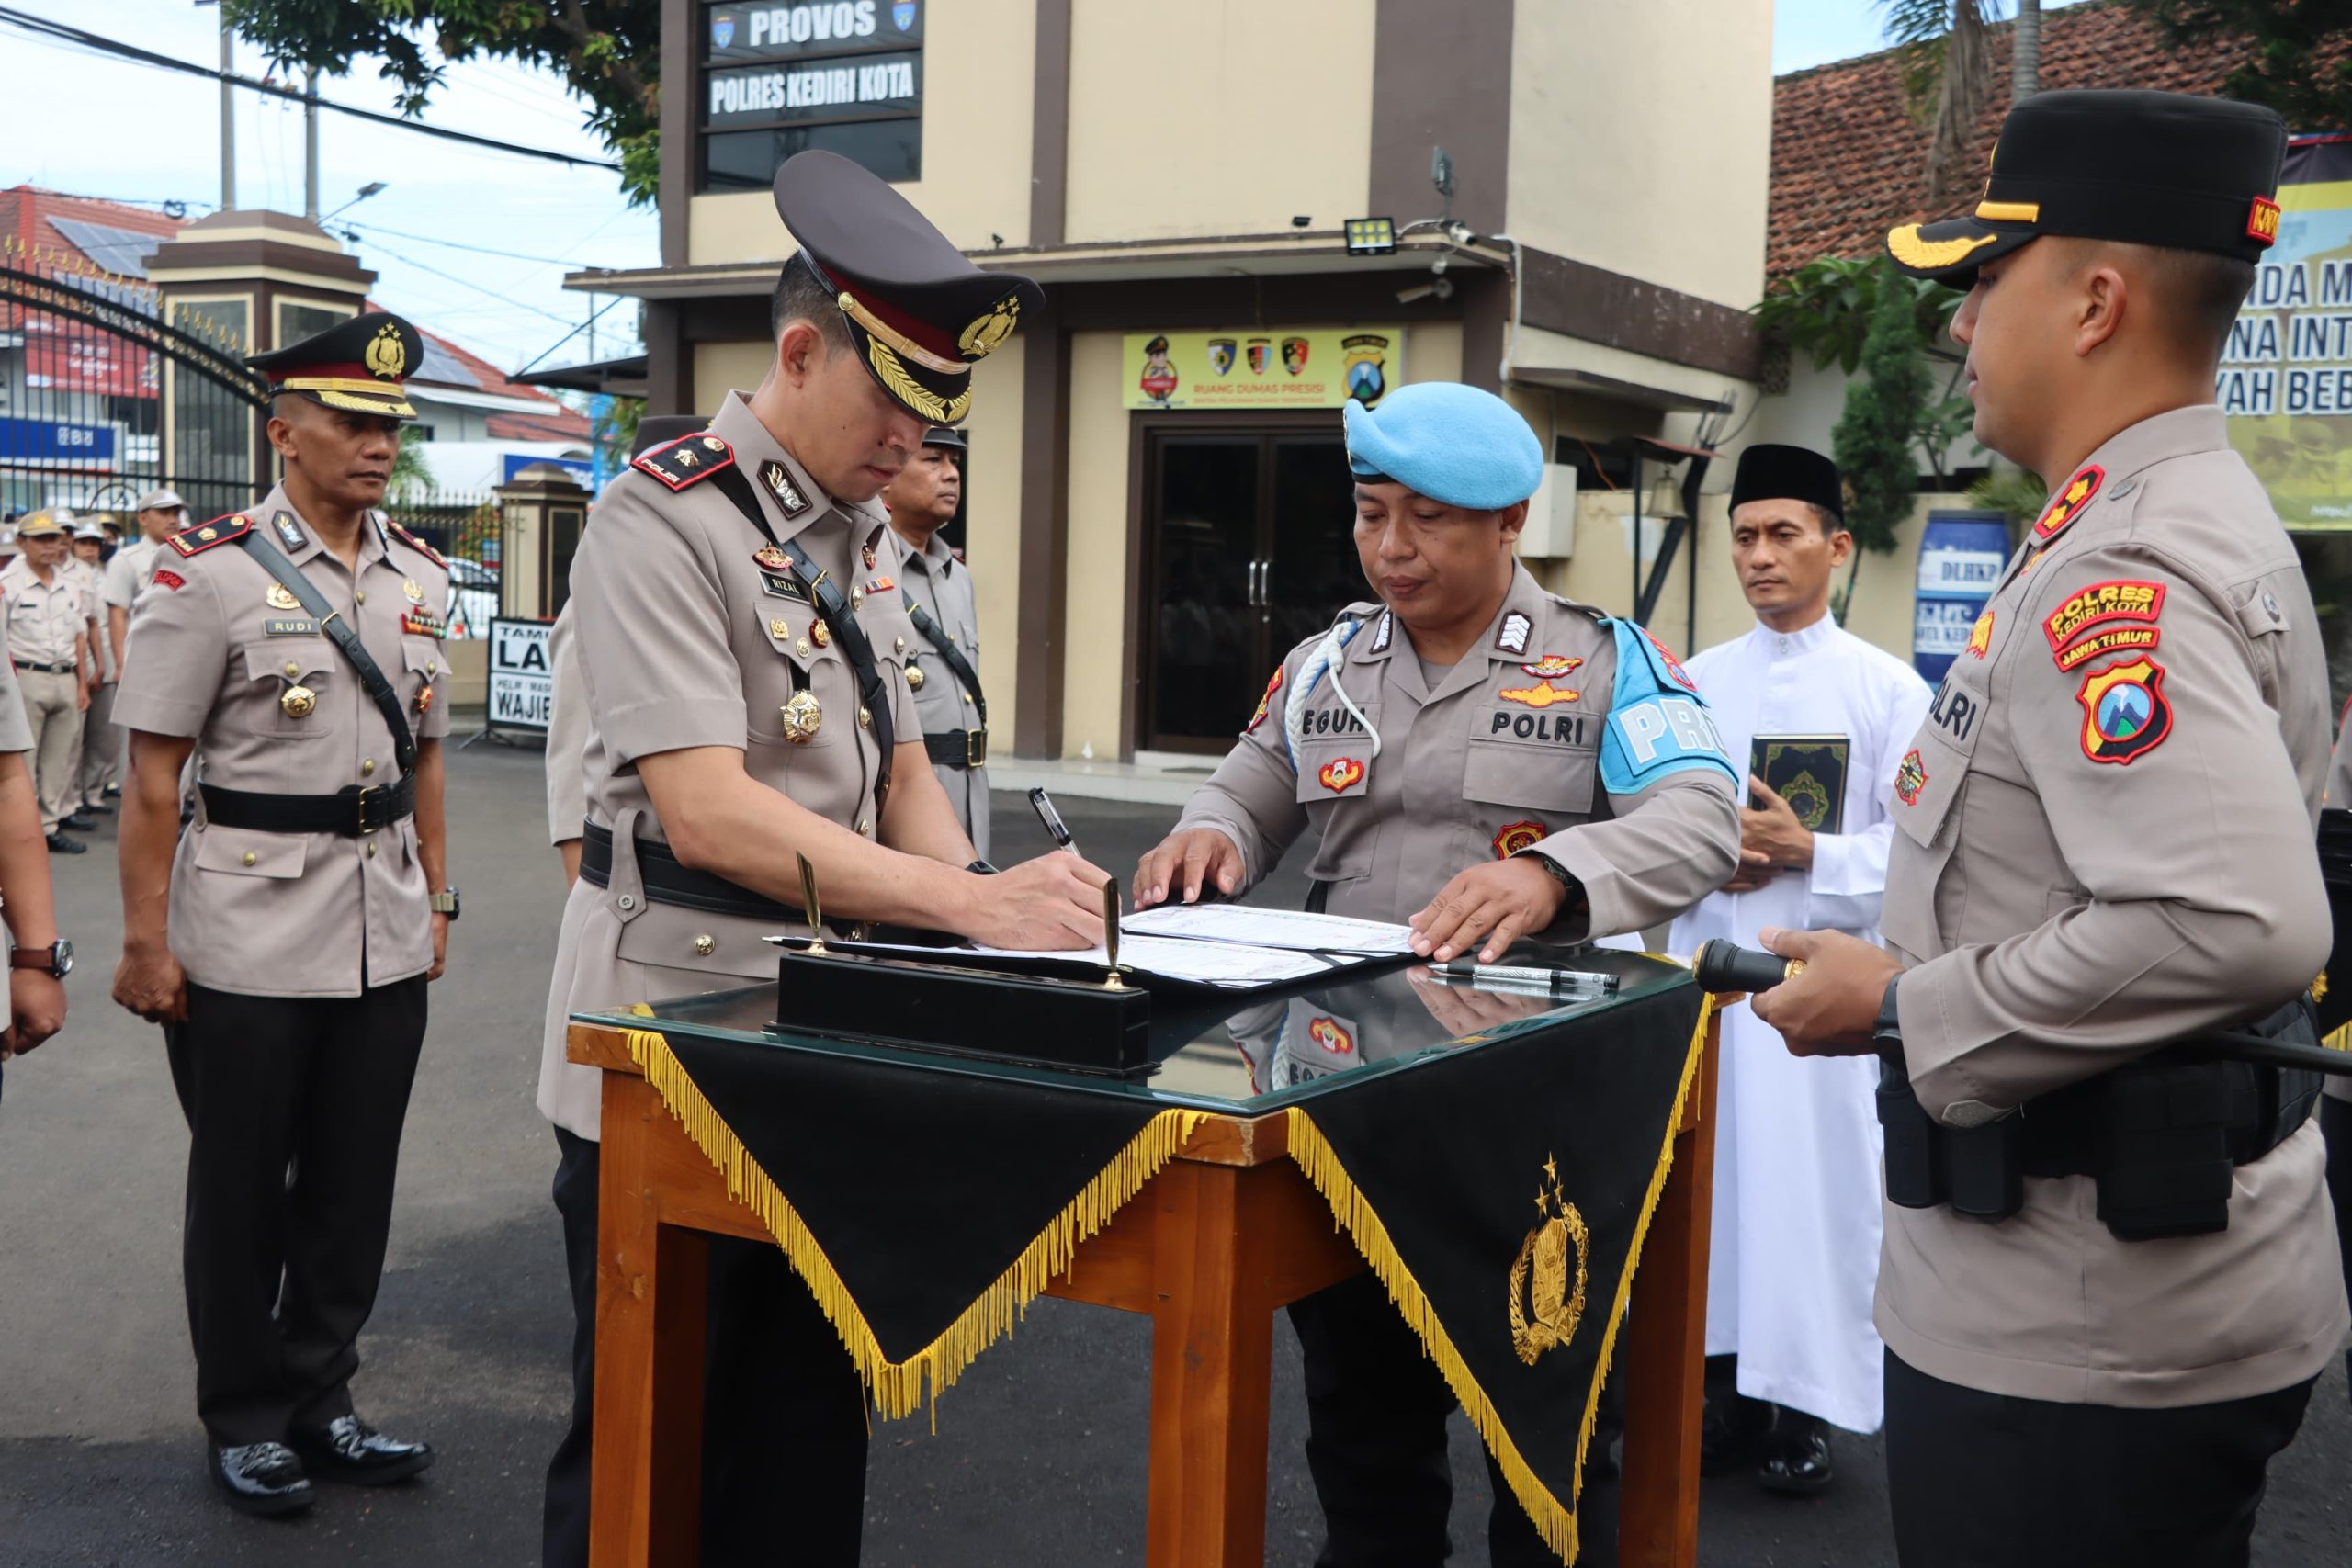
x=1488 y=761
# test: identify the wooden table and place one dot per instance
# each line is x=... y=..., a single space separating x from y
x=1227 y=1234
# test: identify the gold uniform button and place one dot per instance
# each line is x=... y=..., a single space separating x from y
x=252 y=859
x=864 y=718
x=968 y=699
x=857 y=598
x=801 y=648
x=293 y=670
x=705 y=946
x=368 y=767
x=901 y=643
x=432 y=667
x=865 y=825
x=914 y=677
x=371 y=848
x=362 y=596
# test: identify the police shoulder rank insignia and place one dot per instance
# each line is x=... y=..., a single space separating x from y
x=1516 y=629
x=290 y=531
x=220 y=531
x=1341 y=774
x=1264 y=703
x=787 y=494
x=2125 y=716
x=1515 y=836
x=2070 y=502
x=419 y=546
x=1386 y=630
x=1910 y=778
x=688 y=460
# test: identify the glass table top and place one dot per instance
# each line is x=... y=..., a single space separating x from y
x=1243 y=1055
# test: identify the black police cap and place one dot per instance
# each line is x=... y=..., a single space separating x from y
x=2166 y=169
x=1770 y=473
x=920 y=313
x=357 y=365
x=945 y=436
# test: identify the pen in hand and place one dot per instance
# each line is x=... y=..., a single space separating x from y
x=1043 y=804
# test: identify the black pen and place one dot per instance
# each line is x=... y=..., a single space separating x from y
x=1522 y=974
x=1043 y=804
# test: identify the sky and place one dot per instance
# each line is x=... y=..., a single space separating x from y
x=94 y=125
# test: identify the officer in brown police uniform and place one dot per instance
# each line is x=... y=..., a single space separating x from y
x=1489 y=761
x=745 y=679
x=285 y=938
x=943 y=667
x=2109 y=1277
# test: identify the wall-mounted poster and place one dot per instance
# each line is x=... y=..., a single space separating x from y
x=1298 y=367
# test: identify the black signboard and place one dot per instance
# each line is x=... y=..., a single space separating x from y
x=844 y=75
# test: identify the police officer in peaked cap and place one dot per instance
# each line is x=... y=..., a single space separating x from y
x=749 y=701
x=2109 y=1274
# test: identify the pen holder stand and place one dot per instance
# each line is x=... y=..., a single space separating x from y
x=1072 y=1023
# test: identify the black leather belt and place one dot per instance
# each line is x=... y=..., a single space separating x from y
x=2072 y=1131
x=48 y=669
x=958 y=749
x=668 y=881
x=351 y=812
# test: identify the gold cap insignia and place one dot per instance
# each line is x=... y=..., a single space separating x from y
x=981 y=338
x=387 y=356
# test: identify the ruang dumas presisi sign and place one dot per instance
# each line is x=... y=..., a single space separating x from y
x=2286 y=377
x=521 y=675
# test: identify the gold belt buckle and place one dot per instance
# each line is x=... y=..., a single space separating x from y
x=976 y=747
x=362 y=798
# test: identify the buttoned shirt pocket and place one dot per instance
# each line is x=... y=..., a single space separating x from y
x=1334 y=768
x=1530 y=775
x=249 y=852
x=291 y=679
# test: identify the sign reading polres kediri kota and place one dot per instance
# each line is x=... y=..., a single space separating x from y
x=1315 y=367
x=844 y=75
x=521 y=675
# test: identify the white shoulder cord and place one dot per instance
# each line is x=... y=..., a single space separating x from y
x=1325 y=658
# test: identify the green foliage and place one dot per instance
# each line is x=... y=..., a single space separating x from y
x=410 y=476
x=1824 y=309
x=2014 y=494
x=1884 y=413
x=2283 y=39
x=608 y=52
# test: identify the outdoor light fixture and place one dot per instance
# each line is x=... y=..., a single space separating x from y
x=1372 y=236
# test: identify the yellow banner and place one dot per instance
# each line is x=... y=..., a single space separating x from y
x=1316 y=367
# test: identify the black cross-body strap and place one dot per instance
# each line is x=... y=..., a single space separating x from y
x=839 y=618
x=953 y=656
x=345 y=636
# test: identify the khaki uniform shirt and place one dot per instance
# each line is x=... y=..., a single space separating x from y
x=17 y=736
x=126 y=577
x=1497 y=757
x=43 y=618
x=2094 y=855
x=2339 y=798
x=267 y=914
x=86 y=576
x=694 y=645
x=567 y=733
x=943 y=586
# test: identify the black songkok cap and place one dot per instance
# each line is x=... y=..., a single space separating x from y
x=2166 y=169
x=1767 y=472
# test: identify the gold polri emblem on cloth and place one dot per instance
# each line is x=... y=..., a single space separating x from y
x=802 y=716
x=298 y=702
x=987 y=332
x=415 y=594
x=385 y=355
x=914 y=677
x=822 y=633
x=1546 y=1285
x=278 y=596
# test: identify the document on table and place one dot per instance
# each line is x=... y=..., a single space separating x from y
x=1296 y=930
x=1197 y=963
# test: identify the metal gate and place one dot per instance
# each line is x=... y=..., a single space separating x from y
x=106 y=392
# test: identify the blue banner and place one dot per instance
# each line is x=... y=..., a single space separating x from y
x=43 y=441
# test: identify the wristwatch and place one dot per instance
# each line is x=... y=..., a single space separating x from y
x=981 y=868
x=1572 y=897
x=1886 y=1033
x=444 y=902
x=56 y=959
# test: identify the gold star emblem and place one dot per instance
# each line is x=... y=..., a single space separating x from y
x=687 y=460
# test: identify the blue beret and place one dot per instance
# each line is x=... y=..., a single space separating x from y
x=1450 y=442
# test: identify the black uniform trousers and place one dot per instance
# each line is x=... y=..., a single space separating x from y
x=2335 y=1123
x=784 y=1427
x=1980 y=1479
x=294 y=1109
x=1376 y=1409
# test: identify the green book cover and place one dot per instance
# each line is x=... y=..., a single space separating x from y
x=1809 y=773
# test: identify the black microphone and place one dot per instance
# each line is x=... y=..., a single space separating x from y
x=1725 y=965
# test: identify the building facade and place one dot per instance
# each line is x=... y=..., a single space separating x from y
x=1158 y=502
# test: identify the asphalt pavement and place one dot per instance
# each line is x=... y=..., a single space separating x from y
x=1038 y=1455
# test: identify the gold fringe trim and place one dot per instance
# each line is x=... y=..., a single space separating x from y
x=1314 y=1156
x=899 y=1388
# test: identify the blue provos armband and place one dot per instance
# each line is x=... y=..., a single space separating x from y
x=1658 y=722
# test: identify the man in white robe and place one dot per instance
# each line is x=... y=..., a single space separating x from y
x=1795 y=1253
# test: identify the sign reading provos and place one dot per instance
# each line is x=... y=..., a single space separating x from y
x=521 y=675
x=844 y=75
x=1304 y=368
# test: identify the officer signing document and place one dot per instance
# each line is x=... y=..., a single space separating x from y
x=2109 y=1275
x=1489 y=761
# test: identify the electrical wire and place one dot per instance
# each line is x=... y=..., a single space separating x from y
x=40 y=26
x=469 y=283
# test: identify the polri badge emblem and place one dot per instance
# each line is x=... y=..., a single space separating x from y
x=822 y=633
x=1910 y=779
x=770 y=558
x=298 y=702
x=1515 y=836
x=1341 y=774
x=278 y=596
x=414 y=594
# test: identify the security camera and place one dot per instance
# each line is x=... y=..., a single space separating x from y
x=1440 y=265
x=1301 y=221
x=1459 y=233
x=1435 y=288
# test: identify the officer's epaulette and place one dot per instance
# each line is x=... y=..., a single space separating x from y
x=1597 y=617
x=688 y=460
x=419 y=546
x=204 y=536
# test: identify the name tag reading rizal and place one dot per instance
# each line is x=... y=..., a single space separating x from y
x=1809 y=773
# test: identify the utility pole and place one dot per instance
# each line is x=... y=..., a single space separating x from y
x=310 y=147
x=227 y=118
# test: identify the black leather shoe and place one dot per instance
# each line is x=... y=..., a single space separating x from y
x=97 y=807
x=347 y=1449
x=78 y=824
x=1732 y=1432
x=62 y=845
x=113 y=790
x=1796 y=1461
x=260 y=1478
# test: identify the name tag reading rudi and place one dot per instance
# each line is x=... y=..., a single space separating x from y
x=290 y=626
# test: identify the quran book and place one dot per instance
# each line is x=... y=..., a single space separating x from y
x=1809 y=773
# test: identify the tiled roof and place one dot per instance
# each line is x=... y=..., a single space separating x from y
x=1849 y=162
